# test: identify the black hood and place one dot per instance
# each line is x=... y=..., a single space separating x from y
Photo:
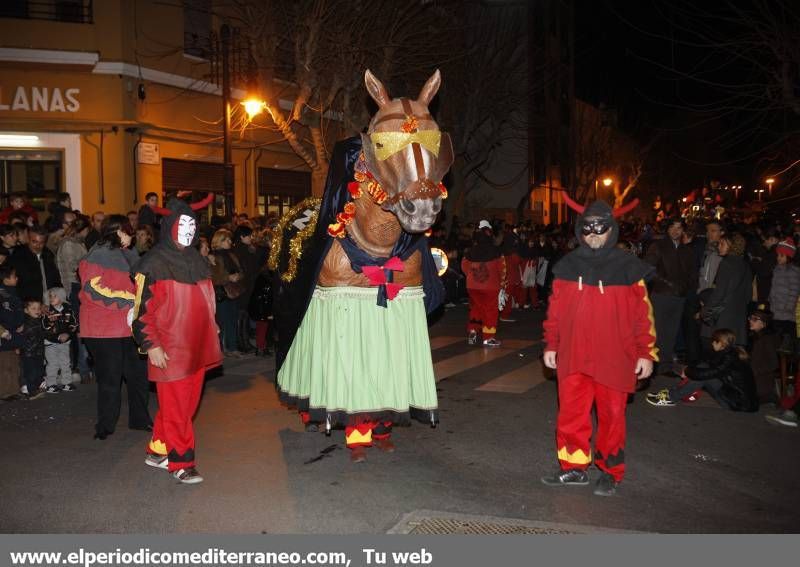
x=177 y=208
x=484 y=249
x=608 y=264
x=602 y=211
x=166 y=261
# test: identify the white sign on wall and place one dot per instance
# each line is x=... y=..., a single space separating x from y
x=148 y=153
x=39 y=99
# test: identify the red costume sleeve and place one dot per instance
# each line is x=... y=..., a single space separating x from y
x=644 y=323
x=550 y=325
x=144 y=329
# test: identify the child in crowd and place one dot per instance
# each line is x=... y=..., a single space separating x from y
x=32 y=350
x=60 y=328
x=11 y=319
x=725 y=375
x=764 y=354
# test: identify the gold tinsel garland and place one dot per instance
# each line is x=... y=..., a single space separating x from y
x=296 y=243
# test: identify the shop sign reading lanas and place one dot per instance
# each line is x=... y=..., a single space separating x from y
x=40 y=99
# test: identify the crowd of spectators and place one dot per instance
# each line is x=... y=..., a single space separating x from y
x=55 y=332
x=723 y=290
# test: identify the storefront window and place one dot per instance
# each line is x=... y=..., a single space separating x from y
x=37 y=173
x=279 y=190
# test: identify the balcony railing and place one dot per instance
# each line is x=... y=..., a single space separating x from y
x=73 y=11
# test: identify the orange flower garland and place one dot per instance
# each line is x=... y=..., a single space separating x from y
x=364 y=181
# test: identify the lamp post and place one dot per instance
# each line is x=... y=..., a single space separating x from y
x=228 y=183
x=770 y=181
x=607 y=181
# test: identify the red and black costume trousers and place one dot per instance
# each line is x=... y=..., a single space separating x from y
x=173 y=431
x=483 y=311
x=360 y=435
x=577 y=393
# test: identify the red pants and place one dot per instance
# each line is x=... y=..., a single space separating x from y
x=530 y=296
x=362 y=434
x=576 y=395
x=515 y=293
x=483 y=311
x=173 y=433
x=261 y=334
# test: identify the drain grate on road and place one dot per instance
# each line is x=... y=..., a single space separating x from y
x=428 y=522
x=438 y=526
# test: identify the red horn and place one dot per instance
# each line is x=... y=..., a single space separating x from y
x=204 y=203
x=161 y=211
x=626 y=209
x=572 y=204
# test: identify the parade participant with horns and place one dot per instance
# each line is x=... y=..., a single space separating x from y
x=174 y=323
x=600 y=336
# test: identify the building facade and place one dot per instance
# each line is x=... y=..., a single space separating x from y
x=111 y=100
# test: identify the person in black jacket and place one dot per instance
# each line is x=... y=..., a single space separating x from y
x=676 y=276
x=32 y=350
x=36 y=267
x=11 y=325
x=61 y=327
x=725 y=375
x=764 y=354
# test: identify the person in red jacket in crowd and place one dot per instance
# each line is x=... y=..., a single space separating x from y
x=600 y=335
x=173 y=321
x=484 y=266
x=106 y=299
x=18 y=203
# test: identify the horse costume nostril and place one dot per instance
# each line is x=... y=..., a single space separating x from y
x=408 y=206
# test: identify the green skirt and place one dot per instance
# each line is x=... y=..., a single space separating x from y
x=353 y=361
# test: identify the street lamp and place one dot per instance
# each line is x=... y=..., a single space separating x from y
x=253 y=107
x=770 y=181
x=607 y=181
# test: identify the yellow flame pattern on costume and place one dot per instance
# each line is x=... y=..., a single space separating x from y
x=579 y=457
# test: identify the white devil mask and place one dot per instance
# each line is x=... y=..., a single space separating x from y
x=187 y=227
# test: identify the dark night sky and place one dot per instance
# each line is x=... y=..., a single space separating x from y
x=617 y=63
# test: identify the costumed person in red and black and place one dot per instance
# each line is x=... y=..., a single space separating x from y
x=600 y=335
x=484 y=266
x=515 y=293
x=174 y=323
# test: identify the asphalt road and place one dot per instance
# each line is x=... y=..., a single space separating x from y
x=691 y=469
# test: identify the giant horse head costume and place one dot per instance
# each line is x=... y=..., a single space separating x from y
x=407 y=153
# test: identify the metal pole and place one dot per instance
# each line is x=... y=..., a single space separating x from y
x=228 y=183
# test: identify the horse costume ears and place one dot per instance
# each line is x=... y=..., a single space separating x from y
x=376 y=89
x=430 y=88
x=194 y=206
x=379 y=94
x=616 y=212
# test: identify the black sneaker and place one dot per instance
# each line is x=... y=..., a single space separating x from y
x=606 y=485
x=69 y=388
x=572 y=477
x=52 y=390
